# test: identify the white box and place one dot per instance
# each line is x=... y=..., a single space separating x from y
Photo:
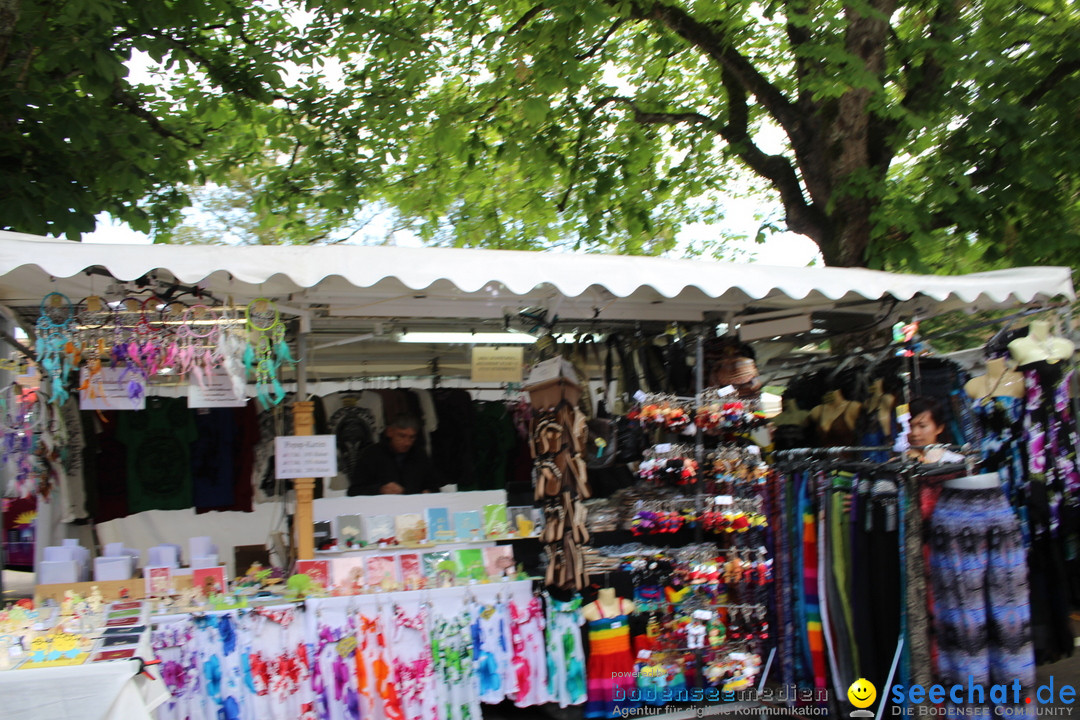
x=55 y=572
x=553 y=369
x=117 y=567
x=163 y=556
x=201 y=546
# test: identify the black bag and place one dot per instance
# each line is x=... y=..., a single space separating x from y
x=629 y=440
x=602 y=445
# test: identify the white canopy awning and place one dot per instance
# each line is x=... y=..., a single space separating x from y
x=395 y=281
x=360 y=293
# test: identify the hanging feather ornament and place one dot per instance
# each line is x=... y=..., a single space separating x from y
x=267 y=350
x=57 y=348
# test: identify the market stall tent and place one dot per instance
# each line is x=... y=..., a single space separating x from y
x=343 y=292
x=341 y=295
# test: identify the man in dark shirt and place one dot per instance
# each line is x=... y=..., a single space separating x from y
x=396 y=465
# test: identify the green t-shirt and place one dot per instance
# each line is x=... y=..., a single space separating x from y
x=158 y=441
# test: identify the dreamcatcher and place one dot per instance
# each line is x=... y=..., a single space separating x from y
x=137 y=343
x=267 y=350
x=229 y=353
x=93 y=315
x=57 y=346
x=195 y=346
x=21 y=417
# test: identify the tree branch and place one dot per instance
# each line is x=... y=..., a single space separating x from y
x=201 y=60
x=602 y=41
x=525 y=19
x=798 y=35
x=653 y=118
x=718 y=47
x=801 y=216
x=925 y=81
x=1062 y=70
x=122 y=99
x=9 y=16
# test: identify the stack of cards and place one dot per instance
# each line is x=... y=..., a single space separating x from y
x=125 y=626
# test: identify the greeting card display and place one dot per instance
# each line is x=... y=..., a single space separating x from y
x=412 y=571
x=209 y=581
x=317 y=570
x=410 y=528
x=470 y=564
x=523 y=520
x=467 y=525
x=158 y=581
x=114 y=654
x=439 y=528
x=495 y=524
x=350 y=530
x=439 y=568
x=380 y=529
x=382 y=572
x=119 y=641
x=56 y=649
x=348 y=575
x=499 y=561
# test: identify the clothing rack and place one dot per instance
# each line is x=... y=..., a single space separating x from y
x=786 y=459
x=802 y=365
x=829 y=451
x=840 y=450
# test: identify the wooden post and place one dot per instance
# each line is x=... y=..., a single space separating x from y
x=304 y=525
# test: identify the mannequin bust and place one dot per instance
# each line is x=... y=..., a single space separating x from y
x=835 y=419
x=790 y=413
x=607 y=605
x=999 y=381
x=879 y=405
x=1040 y=344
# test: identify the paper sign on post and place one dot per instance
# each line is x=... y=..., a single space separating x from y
x=498 y=364
x=216 y=390
x=305 y=456
x=112 y=388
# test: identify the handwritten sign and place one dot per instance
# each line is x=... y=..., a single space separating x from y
x=215 y=391
x=310 y=456
x=113 y=388
x=498 y=364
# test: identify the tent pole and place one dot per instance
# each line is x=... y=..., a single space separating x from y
x=3 y=555
x=304 y=526
x=301 y=365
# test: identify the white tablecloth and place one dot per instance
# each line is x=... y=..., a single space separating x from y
x=92 y=691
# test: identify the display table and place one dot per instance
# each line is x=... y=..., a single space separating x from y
x=91 y=691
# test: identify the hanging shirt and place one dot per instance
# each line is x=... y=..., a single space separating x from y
x=158 y=442
x=355 y=420
x=212 y=457
x=72 y=481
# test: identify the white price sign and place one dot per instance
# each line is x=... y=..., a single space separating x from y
x=305 y=456
x=216 y=390
x=112 y=388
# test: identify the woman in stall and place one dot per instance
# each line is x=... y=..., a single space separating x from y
x=927 y=434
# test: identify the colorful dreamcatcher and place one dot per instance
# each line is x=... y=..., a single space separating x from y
x=137 y=343
x=93 y=316
x=196 y=343
x=21 y=417
x=231 y=345
x=57 y=346
x=267 y=350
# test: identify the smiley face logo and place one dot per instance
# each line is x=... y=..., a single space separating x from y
x=862 y=693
